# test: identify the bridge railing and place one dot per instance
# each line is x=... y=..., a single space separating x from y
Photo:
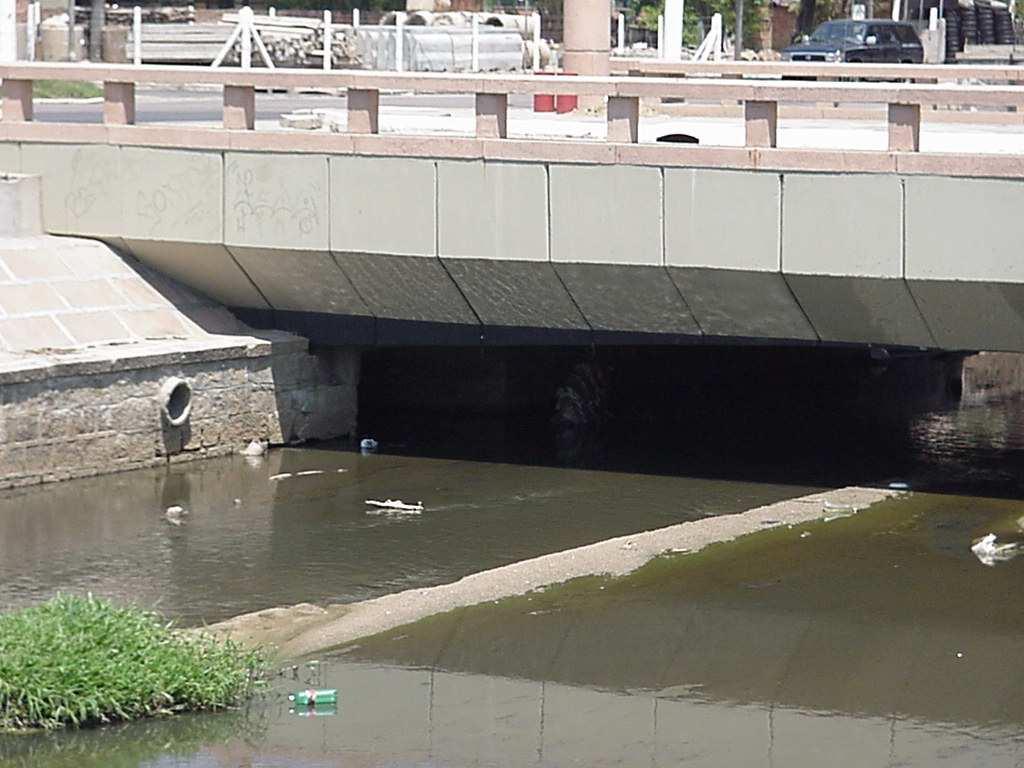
x=760 y=98
x=760 y=70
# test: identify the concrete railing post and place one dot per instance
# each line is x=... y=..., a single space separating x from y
x=904 y=127
x=17 y=101
x=761 y=119
x=119 y=103
x=621 y=33
x=355 y=18
x=239 y=107
x=624 y=119
x=492 y=115
x=363 y=110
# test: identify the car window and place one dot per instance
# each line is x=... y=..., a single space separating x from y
x=885 y=34
x=906 y=34
x=830 y=30
x=858 y=31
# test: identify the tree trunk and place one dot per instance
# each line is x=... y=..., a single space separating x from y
x=737 y=54
x=805 y=19
x=97 y=20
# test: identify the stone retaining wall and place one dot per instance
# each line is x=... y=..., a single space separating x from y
x=87 y=417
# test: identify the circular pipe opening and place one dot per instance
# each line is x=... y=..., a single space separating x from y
x=176 y=401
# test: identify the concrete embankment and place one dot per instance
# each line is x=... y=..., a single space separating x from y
x=305 y=629
x=106 y=365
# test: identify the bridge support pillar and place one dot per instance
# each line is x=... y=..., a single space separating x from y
x=239 y=107
x=492 y=115
x=17 y=101
x=363 y=110
x=119 y=103
x=904 y=127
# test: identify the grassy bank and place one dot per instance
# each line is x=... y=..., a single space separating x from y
x=59 y=89
x=84 y=661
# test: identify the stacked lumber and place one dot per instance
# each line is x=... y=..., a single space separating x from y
x=297 y=41
x=181 y=43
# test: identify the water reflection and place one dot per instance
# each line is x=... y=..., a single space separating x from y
x=250 y=542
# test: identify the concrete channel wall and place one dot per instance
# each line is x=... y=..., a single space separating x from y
x=107 y=365
x=350 y=249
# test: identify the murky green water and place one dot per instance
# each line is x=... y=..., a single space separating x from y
x=309 y=538
x=876 y=640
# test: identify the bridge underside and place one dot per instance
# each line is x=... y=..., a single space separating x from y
x=350 y=249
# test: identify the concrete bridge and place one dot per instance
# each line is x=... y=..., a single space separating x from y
x=368 y=237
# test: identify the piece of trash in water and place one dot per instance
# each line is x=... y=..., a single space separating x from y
x=320 y=710
x=838 y=510
x=805 y=534
x=397 y=505
x=175 y=511
x=255 y=448
x=342 y=470
x=238 y=502
x=314 y=697
x=899 y=486
x=959 y=654
x=368 y=445
x=309 y=472
x=989 y=552
x=281 y=476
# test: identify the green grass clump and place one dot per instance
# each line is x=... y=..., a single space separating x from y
x=59 y=89
x=84 y=661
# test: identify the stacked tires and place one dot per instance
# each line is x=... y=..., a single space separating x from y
x=1003 y=26
x=954 y=30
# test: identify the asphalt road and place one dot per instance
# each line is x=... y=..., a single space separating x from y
x=154 y=106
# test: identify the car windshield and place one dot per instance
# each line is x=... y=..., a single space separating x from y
x=839 y=30
x=830 y=30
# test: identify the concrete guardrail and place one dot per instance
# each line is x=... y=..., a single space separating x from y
x=760 y=98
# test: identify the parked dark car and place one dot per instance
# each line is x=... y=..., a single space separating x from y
x=870 y=40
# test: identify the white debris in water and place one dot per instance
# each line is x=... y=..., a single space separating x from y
x=342 y=470
x=805 y=534
x=368 y=445
x=396 y=505
x=959 y=654
x=174 y=513
x=308 y=472
x=989 y=552
x=838 y=510
x=255 y=448
x=281 y=476
x=238 y=502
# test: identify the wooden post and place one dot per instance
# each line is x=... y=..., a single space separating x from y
x=624 y=119
x=492 y=115
x=328 y=42
x=119 y=103
x=17 y=101
x=363 y=110
x=761 y=119
x=239 y=107
x=904 y=127
x=136 y=35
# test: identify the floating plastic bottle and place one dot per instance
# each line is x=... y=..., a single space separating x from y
x=314 y=697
